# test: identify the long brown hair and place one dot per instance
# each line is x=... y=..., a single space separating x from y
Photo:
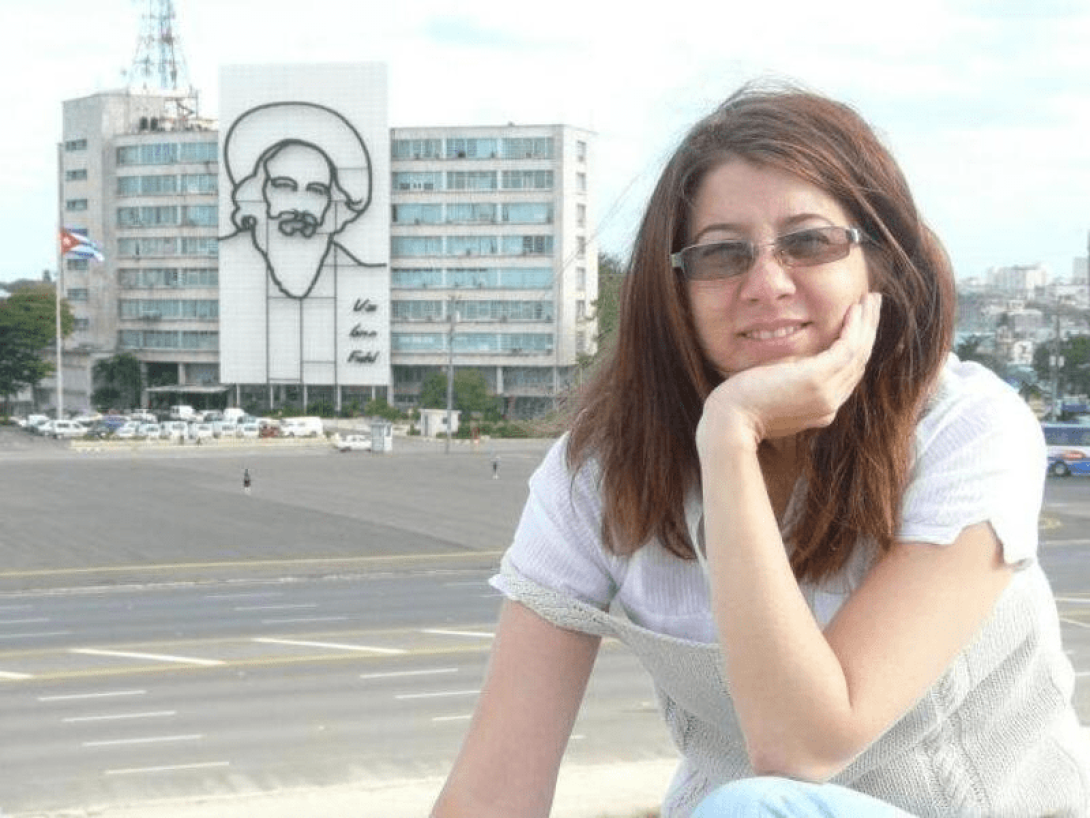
x=638 y=415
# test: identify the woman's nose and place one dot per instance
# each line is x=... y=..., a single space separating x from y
x=767 y=278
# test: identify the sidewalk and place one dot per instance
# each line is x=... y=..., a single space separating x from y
x=629 y=790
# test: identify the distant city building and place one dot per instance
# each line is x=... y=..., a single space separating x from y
x=220 y=284
x=1021 y=279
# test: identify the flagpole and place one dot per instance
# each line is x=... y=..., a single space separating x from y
x=60 y=369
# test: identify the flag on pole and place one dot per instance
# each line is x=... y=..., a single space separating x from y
x=78 y=245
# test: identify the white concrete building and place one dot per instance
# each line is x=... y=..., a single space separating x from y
x=492 y=225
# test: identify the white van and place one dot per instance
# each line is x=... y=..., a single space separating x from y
x=181 y=412
x=301 y=427
x=233 y=414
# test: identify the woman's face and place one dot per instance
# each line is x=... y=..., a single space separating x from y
x=770 y=312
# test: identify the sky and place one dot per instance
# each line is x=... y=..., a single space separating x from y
x=985 y=103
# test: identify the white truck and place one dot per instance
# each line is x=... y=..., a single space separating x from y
x=301 y=427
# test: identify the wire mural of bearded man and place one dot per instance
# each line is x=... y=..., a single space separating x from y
x=300 y=174
x=299 y=192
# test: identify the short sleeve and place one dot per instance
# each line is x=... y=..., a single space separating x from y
x=979 y=457
x=558 y=542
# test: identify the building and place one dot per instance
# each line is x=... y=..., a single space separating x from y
x=1020 y=280
x=470 y=246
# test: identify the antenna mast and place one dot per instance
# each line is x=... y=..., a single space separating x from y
x=158 y=66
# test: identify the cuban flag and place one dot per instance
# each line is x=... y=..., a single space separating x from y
x=77 y=245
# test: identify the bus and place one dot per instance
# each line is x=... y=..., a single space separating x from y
x=1068 y=448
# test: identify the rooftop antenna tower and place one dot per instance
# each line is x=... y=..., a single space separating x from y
x=158 y=66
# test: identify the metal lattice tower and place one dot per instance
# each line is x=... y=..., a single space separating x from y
x=159 y=63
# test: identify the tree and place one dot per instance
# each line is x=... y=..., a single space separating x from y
x=608 y=304
x=1074 y=374
x=119 y=380
x=28 y=328
x=470 y=391
x=970 y=350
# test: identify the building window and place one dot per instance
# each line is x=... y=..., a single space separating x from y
x=581 y=246
x=75 y=145
x=528 y=213
x=471 y=180
x=472 y=246
x=77 y=264
x=540 y=147
x=407 y=180
x=75 y=175
x=471 y=213
x=527 y=245
x=581 y=182
x=580 y=310
x=417 y=214
x=76 y=294
x=82 y=324
x=580 y=215
x=581 y=278
x=75 y=204
x=580 y=150
x=175 y=309
x=401 y=246
x=416 y=148
x=472 y=148
x=417 y=311
x=527 y=179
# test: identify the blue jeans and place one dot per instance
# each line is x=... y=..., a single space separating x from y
x=772 y=797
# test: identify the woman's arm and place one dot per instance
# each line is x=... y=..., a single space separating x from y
x=809 y=701
x=509 y=760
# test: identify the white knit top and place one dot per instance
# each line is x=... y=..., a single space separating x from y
x=996 y=735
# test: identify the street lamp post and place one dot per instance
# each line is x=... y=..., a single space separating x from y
x=453 y=317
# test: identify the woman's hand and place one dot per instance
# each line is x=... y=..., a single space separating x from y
x=782 y=399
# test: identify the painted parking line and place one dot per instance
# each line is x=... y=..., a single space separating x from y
x=288 y=606
x=1074 y=600
x=395 y=674
x=171 y=768
x=299 y=619
x=442 y=694
x=14 y=677
x=34 y=635
x=442 y=632
x=154 y=657
x=1075 y=622
x=106 y=694
x=34 y=621
x=116 y=742
x=463 y=717
x=331 y=645
x=156 y=714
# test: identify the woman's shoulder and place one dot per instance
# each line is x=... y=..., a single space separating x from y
x=969 y=401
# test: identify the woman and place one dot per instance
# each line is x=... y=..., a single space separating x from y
x=822 y=527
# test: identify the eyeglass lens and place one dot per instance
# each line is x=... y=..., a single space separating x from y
x=804 y=248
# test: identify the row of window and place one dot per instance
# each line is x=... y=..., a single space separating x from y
x=474 y=213
x=482 y=342
x=161 y=215
x=75 y=204
x=167 y=153
x=408 y=246
x=195 y=309
x=167 y=184
x=167 y=246
x=408 y=375
x=473 y=180
x=168 y=339
x=472 y=310
x=540 y=147
x=174 y=277
x=75 y=145
x=492 y=278
x=75 y=175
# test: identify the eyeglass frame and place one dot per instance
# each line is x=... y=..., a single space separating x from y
x=855 y=237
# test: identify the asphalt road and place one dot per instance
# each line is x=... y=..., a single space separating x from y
x=163 y=634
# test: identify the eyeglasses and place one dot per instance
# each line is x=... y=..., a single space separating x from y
x=803 y=248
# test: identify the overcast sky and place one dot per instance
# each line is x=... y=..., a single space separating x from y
x=986 y=103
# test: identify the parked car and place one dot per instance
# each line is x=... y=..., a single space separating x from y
x=355 y=443
x=301 y=427
x=199 y=432
x=225 y=428
x=67 y=428
x=127 y=430
x=149 y=431
x=173 y=430
x=1065 y=465
x=248 y=430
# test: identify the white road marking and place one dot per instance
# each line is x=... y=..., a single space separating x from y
x=1074 y=600
x=23 y=621
x=112 y=716
x=331 y=645
x=1074 y=622
x=103 y=695
x=34 y=635
x=441 y=632
x=286 y=607
x=297 y=620
x=15 y=677
x=15 y=607
x=399 y=673
x=155 y=657
x=441 y=694
x=253 y=595
x=168 y=769
x=466 y=717
x=114 y=742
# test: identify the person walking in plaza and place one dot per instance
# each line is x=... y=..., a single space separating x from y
x=819 y=524
x=246 y=482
